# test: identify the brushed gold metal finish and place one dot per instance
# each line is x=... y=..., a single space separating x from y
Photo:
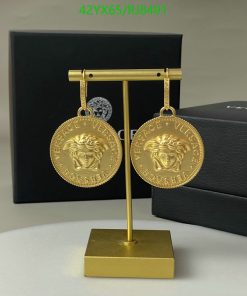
x=145 y=253
x=86 y=151
x=83 y=91
x=167 y=151
x=125 y=74
x=127 y=161
x=167 y=90
x=107 y=254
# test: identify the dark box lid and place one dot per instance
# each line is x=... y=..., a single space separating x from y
x=216 y=197
x=42 y=98
x=223 y=127
x=235 y=111
x=202 y=207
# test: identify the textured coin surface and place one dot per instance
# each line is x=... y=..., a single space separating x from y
x=167 y=152
x=86 y=151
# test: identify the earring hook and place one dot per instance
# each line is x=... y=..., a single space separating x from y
x=83 y=91
x=167 y=90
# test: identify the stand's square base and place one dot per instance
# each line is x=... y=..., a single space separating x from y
x=150 y=256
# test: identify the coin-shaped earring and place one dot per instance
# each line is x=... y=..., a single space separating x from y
x=85 y=150
x=167 y=151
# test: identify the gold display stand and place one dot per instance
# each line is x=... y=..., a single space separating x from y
x=137 y=253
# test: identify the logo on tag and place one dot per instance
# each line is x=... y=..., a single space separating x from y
x=101 y=107
x=236 y=107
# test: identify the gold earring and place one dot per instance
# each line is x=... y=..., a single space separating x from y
x=167 y=151
x=85 y=150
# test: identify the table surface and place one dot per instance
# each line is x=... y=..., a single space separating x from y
x=42 y=247
x=48 y=260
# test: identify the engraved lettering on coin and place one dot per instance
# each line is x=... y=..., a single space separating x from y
x=86 y=151
x=101 y=107
x=167 y=152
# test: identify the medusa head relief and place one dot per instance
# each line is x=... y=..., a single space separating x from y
x=86 y=151
x=167 y=152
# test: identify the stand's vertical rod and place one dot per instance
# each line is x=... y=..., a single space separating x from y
x=127 y=161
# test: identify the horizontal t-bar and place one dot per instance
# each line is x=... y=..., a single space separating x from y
x=125 y=74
